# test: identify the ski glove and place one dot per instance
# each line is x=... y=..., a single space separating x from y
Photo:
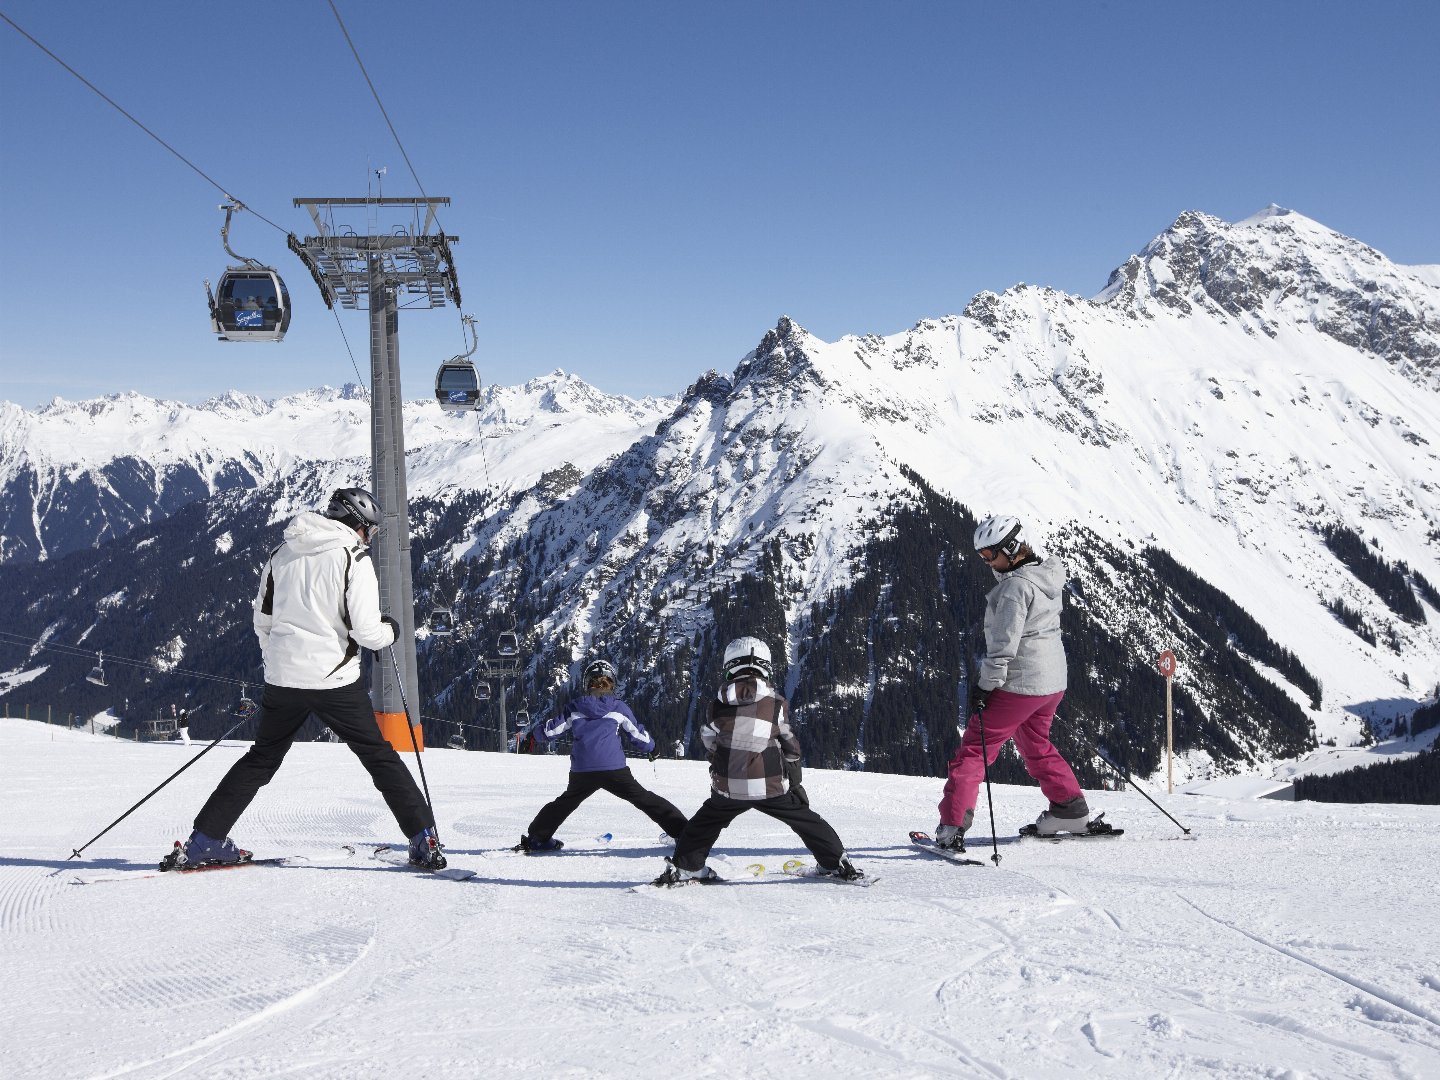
x=394 y=626
x=793 y=774
x=652 y=755
x=978 y=698
x=799 y=793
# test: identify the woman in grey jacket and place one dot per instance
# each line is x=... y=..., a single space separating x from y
x=1019 y=686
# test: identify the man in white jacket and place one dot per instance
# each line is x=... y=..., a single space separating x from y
x=318 y=605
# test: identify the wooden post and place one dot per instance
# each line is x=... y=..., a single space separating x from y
x=1169 y=741
x=1166 y=664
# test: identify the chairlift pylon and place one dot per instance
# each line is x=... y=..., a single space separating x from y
x=97 y=673
x=250 y=301
x=457 y=383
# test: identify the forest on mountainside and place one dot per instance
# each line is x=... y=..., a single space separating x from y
x=1408 y=780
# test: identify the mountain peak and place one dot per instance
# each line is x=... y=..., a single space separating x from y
x=783 y=354
x=1278 y=267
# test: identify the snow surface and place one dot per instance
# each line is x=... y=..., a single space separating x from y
x=1292 y=940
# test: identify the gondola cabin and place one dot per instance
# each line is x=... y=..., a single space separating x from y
x=482 y=690
x=97 y=673
x=250 y=304
x=457 y=386
x=441 y=622
x=457 y=742
x=509 y=644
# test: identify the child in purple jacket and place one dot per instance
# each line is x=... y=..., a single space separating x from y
x=596 y=721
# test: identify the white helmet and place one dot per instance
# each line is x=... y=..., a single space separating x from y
x=747 y=656
x=1000 y=532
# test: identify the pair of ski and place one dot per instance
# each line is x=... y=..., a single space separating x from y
x=1094 y=829
x=391 y=855
x=796 y=868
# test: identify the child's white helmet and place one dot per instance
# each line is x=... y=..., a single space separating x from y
x=747 y=656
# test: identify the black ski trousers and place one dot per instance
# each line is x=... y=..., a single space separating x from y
x=346 y=711
x=716 y=812
x=618 y=782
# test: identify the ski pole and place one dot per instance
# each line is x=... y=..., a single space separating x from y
x=985 y=760
x=75 y=852
x=400 y=685
x=1129 y=780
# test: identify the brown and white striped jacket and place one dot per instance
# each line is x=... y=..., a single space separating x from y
x=748 y=736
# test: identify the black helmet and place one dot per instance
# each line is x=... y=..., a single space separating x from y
x=355 y=507
x=597 y=670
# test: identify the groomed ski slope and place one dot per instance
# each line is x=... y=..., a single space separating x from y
x=1286 y=940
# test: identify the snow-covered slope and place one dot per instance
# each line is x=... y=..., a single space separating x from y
x=1261 y=948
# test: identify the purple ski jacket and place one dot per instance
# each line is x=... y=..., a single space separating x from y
x=597 y=723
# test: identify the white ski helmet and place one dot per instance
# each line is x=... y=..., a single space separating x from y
x=747 y=656
x=1000 y=532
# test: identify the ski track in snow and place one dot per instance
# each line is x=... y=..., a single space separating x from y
x=1262 y=949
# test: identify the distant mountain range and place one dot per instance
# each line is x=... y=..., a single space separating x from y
x=1233 y=446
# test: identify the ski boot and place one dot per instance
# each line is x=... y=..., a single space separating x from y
x=1066 y=817
x=538 y=847
x=674 y=876
x=950 y=837
x=425 y=850
x=846 y=871
x=201 y=850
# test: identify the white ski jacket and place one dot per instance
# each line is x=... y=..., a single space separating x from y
x=318 y=604
x=1023 y=651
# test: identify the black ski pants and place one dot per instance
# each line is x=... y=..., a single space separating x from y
x=618 y=782
x=346 y=711
x=717 y=812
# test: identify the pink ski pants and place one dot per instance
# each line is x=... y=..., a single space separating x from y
x=1026 y=719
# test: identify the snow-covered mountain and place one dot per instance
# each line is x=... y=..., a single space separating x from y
x=76 y=474
x=1233 y=445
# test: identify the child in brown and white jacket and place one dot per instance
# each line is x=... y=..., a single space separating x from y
x=754 y=765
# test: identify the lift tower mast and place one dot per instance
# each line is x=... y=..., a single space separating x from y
x=411 y=262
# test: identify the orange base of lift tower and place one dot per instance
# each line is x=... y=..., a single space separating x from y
x=395 y=731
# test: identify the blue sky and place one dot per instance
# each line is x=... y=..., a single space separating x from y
x=642 y=189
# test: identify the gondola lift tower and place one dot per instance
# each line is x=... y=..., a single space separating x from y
x=373 y=271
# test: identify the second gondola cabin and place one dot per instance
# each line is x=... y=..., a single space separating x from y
x=250 y=303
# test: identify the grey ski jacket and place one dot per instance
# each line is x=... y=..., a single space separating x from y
x=1023 y=651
